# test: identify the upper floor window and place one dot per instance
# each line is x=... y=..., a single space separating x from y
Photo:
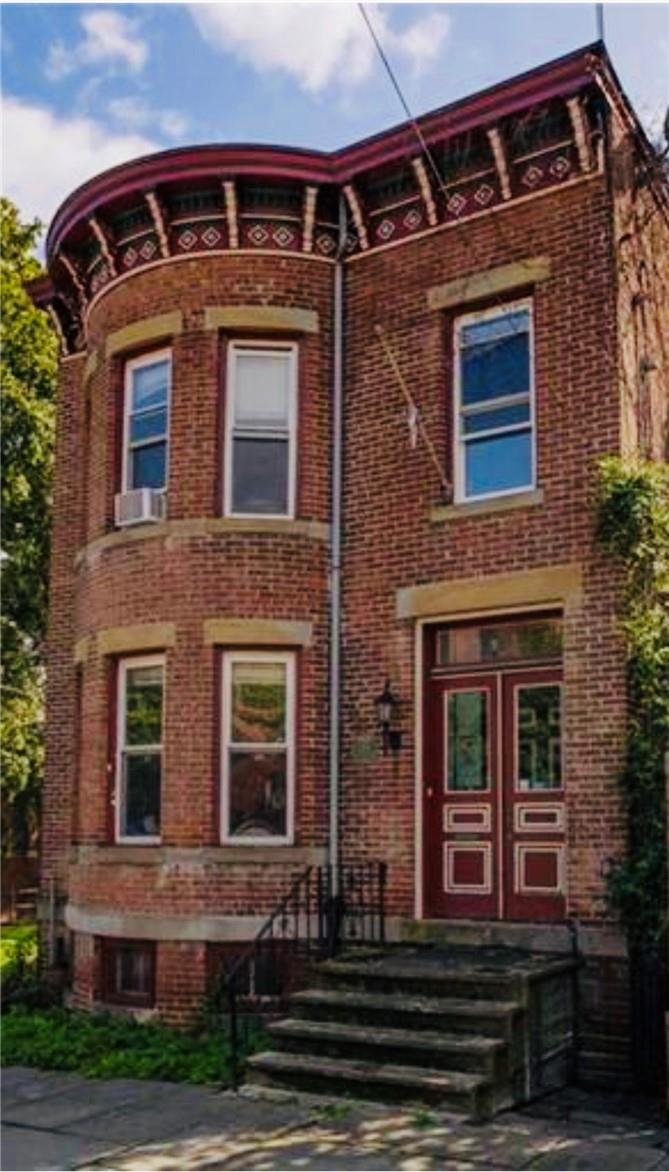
x=146 y=421
x=258 y=746
x=260 y=430
x=139 y=754
x=494 y=408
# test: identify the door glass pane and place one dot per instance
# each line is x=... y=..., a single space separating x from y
x=141 y=804
x=467 y=742
x=257 y=794
x=262 y=390
x=258 y=703
x=498 y=463
x=144 y=705
x=539 y=757
x=260 y=476
x=534 y=639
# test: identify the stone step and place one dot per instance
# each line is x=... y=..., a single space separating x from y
x=455 y=1052
x=467 y=1094
x=451 y=1015
x=461 y=981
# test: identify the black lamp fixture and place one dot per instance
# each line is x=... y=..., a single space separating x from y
x=387 y=706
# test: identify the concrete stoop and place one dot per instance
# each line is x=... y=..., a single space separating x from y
x=467 y=1030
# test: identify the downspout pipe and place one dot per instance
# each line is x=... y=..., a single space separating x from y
x=334 y=845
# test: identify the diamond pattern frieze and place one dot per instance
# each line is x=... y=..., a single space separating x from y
x=484 y=194
x=211 y=236
x=413 y=220
x=258 y=235
x=457 y=203
x=187 y=239
x=532 y=176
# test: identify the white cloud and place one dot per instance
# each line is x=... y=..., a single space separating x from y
x=135 y=114
x=45 y=156
x=110 y=38
x=318 y=45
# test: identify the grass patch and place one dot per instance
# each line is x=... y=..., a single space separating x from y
x=112 y=1046
x=17 y=940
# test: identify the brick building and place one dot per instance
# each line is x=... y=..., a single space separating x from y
x=239 y=323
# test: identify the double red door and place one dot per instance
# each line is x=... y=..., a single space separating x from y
x=493 y=805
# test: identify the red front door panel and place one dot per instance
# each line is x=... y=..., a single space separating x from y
x=461 y=798
x=493 y=799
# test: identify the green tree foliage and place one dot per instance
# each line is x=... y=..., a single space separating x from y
x=634 y=528
x=28 y=369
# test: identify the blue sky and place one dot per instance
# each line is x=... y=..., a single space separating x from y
x=87 y=86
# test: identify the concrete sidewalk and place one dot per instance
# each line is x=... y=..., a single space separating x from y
x=61 y=1121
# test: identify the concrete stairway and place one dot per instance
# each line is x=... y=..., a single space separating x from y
x=467 y=1030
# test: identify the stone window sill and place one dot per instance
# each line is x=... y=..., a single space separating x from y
x=502 y=504
x=152 y=856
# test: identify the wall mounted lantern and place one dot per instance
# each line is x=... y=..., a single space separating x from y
x=387 y=708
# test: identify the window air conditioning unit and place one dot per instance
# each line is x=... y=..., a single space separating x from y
x=139 y=506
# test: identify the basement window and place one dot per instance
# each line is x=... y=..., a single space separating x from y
x=128 y=972
x=261 y=415
x=258 y=765
x=494 y=403
x=139 y=757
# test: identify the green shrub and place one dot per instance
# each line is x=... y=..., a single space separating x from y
x=114 y=1046
x=633 y=527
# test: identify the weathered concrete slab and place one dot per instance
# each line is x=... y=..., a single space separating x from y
x=130 y=1126
x=41 y=1151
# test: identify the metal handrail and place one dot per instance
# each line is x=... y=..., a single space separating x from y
x=320 y=919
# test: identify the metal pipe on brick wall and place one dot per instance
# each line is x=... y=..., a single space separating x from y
x=335 y=551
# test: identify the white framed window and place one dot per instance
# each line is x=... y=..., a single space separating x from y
x=258 y=747
x=139 y=749
x=146 y=413
x=495 y=441
x=260 y=431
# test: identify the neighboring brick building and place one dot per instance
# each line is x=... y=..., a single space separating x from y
x=195 y=292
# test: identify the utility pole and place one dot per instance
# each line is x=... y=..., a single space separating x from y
x=599 y=9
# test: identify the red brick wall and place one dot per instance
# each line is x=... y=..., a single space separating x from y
x=390 y=542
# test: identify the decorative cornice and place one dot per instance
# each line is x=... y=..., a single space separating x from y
x=425 y=190
x=579 y=127
x=231 y=212
x=101 y=238
x=309 y=215
x=499 y=154
x=158 y=221
x=356 y=212
x=214 y=200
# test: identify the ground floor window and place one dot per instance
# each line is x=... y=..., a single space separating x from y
x=139 y=756
x=128 y=972
x=258 y=751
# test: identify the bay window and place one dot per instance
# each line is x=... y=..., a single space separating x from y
x=258 y=747
x=146 y=421
x=139 y=756
x=261 y=414
x=494 y=403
